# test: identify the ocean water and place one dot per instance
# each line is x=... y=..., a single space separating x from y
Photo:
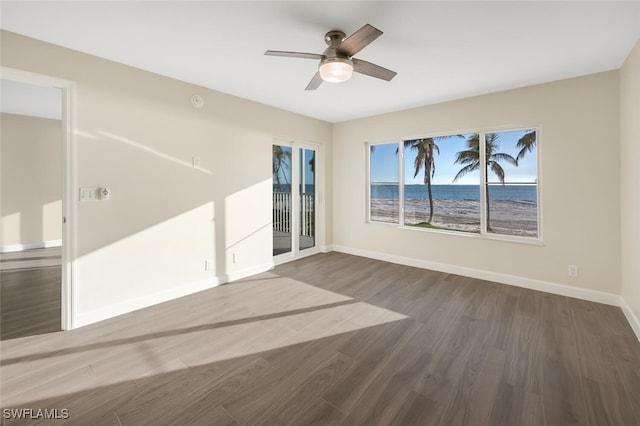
x=285 y=187
x=442 y=192
x=456 y=192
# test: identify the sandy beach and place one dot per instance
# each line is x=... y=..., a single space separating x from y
x=507 y=217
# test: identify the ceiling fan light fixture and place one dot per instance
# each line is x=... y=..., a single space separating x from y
x=336 y=70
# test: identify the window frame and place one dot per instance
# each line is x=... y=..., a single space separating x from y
x=483 y=234
x=367 y=154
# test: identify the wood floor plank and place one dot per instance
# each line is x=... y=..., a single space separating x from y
x=29 y=259
x=345 y=393
x=199 y=389
x=205 y=415
x=474 y=406
x=449 y=359
x=30 y=293
x=473 y=386
x=293 y=407
x=508 y=405
x=92 y=406
x=385 y=396
x=320 y=413
x=562 y=393
x=627 y=371
x=532 y=410
x=607 y=405
x=523 y=360
x=291 y=369
x=75 y=380
x=417 y=410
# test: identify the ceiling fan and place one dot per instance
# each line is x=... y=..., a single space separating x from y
x=337 y=62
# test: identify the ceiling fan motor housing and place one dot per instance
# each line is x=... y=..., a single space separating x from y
x=334 y=38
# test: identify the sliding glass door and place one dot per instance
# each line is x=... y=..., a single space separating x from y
x=282 y=242
x=294 y=201
x=307 y=212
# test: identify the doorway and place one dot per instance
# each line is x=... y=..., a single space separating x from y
x=295 y=213
x=35 y=261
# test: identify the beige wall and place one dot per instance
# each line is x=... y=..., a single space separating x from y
x=579 y=159
x=630 y=183
x=136 y=133
x=31 y=180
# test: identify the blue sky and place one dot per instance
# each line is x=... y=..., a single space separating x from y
x=384 y=164
x=285 y=171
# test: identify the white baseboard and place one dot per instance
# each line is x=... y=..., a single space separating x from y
x=326 y=248
x=30 y=246
x=247 y=272
x=545 y=286
x=129 y=306
x=631 y=317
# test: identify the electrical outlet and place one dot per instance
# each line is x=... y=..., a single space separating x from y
x=573 y=270
x=236 y=257
x=207 y=265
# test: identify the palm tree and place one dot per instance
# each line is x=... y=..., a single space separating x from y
x=312 y=162
x=471 y=158
x=281 y=159
x=425 y=158
x=526 y=144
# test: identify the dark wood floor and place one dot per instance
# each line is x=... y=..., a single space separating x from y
x=30 y=283
x=339 y=339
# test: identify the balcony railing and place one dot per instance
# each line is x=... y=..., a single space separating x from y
x=282 y=213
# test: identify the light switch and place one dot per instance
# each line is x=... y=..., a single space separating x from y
x=88 y=194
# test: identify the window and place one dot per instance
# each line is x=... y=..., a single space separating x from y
x=384 y=188
x=512 y=183
x=431 y=200
x=484 y=183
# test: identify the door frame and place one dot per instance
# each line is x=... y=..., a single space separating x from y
x=295 y=252
x=69 y=205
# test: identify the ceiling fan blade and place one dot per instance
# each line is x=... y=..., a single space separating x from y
x=293 y=54
x=373 y=70
x=315 y=82
x=359 y=40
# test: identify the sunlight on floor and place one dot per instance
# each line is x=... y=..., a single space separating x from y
x=248 y=317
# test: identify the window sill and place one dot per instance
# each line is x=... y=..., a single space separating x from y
x=537 y=241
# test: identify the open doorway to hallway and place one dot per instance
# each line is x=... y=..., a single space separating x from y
x=31 y=150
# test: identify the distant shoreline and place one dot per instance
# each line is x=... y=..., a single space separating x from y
x=509 y=217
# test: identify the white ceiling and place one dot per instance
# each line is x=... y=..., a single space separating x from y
x=441 y=50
